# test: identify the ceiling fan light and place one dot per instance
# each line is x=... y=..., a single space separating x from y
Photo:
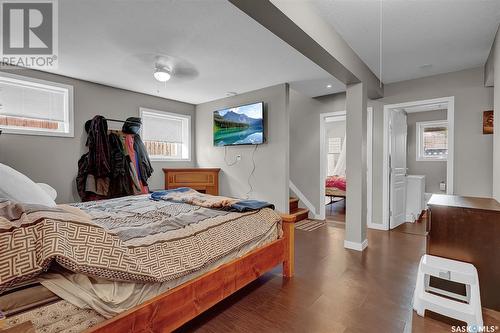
x=162 y=74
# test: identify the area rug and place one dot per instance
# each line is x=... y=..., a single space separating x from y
x=309 y=225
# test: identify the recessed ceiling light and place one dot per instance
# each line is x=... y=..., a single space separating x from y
x=231 y=93
x=328 y=86
x=162 y=74
x=426 y=66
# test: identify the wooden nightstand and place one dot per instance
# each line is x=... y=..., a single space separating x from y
x=205 y=180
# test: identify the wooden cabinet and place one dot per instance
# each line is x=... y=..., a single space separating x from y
x=205 y=180
x=468 y=229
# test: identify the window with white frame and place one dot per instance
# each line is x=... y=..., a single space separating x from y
x=334 y=149
x=334 y=145
x=35 y=107
x=166 y=135
x=432 y=140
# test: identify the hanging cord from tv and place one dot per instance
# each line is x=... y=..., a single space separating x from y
x=250 y=190
x=225 y=158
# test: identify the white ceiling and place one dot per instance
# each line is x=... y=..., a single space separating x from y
x=217 y=47
x=419 y=37
x=318 y=87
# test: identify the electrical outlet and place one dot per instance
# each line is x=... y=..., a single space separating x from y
x=238 y=157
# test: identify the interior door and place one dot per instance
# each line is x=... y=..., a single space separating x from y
x=398 y=134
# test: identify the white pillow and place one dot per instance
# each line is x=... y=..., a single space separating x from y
x=17 y=187
x=49 y=190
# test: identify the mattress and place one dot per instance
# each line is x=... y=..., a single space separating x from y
x=57 y=317
x=25 y=297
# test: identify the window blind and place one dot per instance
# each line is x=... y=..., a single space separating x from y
x=162 y=128
x=34 y=101
x=334 y=145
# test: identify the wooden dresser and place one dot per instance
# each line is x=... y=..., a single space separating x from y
x=205 y=180
x=468 y=229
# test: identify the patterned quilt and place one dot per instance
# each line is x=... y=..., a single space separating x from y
x=125 y=239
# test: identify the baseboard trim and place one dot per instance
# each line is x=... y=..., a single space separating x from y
x=355 y=245
x=303 y=199
x=411 y=218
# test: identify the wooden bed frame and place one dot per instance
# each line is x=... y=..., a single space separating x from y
x=333 y=192
x=172 y=309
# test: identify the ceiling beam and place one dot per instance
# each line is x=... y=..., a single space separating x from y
x=298 y=24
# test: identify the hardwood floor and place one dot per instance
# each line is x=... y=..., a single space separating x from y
x=334 y=290
x=417 y=228
x=336 y=211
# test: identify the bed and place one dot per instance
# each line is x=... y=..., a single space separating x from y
x=335 y=187
x=172 y=259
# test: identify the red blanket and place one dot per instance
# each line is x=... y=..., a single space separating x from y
x=336 y=181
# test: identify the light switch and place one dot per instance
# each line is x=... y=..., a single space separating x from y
x=442 y=186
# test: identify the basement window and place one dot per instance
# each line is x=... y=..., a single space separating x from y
x=35 y=107
x=432 y=140
x=166 y=135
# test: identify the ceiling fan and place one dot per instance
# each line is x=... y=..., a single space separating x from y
x=165 y=67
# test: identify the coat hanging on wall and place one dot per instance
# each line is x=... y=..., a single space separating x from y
x=116 y=164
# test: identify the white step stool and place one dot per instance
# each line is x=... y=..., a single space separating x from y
x=451 y=270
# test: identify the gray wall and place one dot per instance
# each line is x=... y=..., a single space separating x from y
x=305 y=147
x=270 y=179
x=305 y=138
x=434 y=171
x=473 y=162
x=473 y=150
x=496 y=119
x=53 y=160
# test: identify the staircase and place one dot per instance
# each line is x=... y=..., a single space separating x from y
x=299 y=213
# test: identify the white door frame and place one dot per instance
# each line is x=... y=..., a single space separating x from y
x=369 y=162
x=450 y=101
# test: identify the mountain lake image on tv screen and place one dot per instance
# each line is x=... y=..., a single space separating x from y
x=241 y=125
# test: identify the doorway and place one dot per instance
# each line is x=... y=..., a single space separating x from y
x=431 y=145
x=335 y=198
x=335 y=186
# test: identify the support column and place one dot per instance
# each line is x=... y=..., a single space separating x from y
x=356 y=105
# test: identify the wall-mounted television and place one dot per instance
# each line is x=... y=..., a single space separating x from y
x=240 y=125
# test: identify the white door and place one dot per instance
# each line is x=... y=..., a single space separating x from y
x=398 y=131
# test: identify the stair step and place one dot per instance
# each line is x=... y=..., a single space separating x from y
x=294 y=203
x=300 y=214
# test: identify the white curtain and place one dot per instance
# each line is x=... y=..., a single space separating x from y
x=340 y=166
